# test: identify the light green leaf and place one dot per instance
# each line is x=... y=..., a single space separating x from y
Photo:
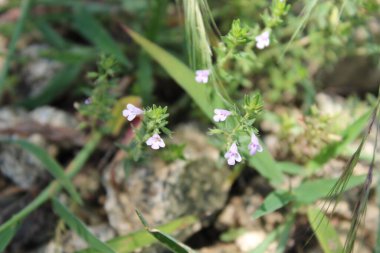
x=334 y=149
x=93 y=31
x=167 y=240
x=327 y=236
x=310 y=191
x=49 y=163
x=274 y=201
x=80 y=228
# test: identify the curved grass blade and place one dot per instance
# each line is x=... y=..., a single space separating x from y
x=80 y=228
x=56 y=86
x=49 y=163
x=93 y=31
x=327 y=236
x=184 y=76
x=25 y=6
x=168 y=241
x=6 y=236
x=283 y=237
x=54 y=187
x=262 y=247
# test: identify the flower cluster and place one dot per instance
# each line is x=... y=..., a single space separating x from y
x=252 y=106
x=157 y=120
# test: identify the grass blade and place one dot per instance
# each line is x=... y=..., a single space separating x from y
x=79 y=227
x=54 y=187
x=168 y=241
x=25 y=6
x=142 y=238
x=93 y=31
x=49 y=163
x=327 y=236
x=56 y=86
x=6 y=236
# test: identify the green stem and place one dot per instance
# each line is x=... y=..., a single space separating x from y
x=54 y=187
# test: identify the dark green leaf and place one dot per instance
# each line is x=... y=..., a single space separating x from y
x=56 y=86
x=93 y=31
x=6 y=236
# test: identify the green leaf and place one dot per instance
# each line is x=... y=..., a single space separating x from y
x=56 y=86
x=310 y=191
x=25 y=6
x=6 y=236
x=327 y=236
x=290 y=168
x=283 y=236
x=80 y=228
x=184 y=76
x=49 y=163
x=142 y=238
x=93 y=31
x=262 y=247
x=274 y=201
x=168 y=241
x=334 y=149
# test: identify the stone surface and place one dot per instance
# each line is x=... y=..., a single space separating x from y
x=163 y=192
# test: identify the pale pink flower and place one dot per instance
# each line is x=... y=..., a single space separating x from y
x=254 y=146
x=232 y=155
x=155 y=142
x=201 y=76
x=262 y=40
x=131 y=112
x=221 y=115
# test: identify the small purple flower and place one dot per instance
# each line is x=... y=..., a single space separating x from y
x=87 y=101
x=221 y=115
x=131 y=112
x=254 y=146
x=155 y=142
x=201 y=76
x=232 y=155
x=262 y=40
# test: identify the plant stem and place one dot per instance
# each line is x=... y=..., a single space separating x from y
x=54 y=187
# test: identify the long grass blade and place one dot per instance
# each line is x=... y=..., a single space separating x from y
x=49 y=163
x=54 y=187
x=79 y=227
x=142 y=238
x=25 y=6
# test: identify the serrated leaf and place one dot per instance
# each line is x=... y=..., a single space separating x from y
x=49 y=163
x=327 y=236
x=80 y=228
